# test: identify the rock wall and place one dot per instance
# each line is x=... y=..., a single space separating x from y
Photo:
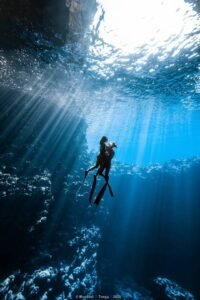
x=195 y=3
x=58 y=20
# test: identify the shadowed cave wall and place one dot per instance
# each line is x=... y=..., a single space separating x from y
x=58 y=21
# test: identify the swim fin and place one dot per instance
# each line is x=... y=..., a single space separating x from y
x=93 y=188
x=85 y=174
x=109 y=186
x=110 y=190
x=100 y=195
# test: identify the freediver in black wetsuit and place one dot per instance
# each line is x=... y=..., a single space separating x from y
x=105 y=165
x=100 y=157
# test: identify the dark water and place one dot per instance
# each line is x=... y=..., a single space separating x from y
x=135 y=79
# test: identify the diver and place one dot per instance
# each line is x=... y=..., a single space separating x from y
x=100 y=157
x=106 y=162
x=105 y=165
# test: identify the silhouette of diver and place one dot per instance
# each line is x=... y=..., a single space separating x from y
x=104 y=164
x=100 y=157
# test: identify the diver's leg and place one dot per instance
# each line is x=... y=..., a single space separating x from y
x=106 y=177
x=107 y=172
x=91 y=169
x=100 y=171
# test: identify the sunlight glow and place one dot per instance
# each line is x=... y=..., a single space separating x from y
x=129 y=24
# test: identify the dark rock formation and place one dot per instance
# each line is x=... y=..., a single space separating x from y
x=195 y=3
x=169 y=290
x=30 y=178
x=129 y=289
x=58 y=21
x=24 y=209
x=63 y=281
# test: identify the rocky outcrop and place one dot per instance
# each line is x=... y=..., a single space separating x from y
x=55 y=20
x=81 y=13
x=170 y=290
x=195 y=3
x=24 y=210
x=29 y=182
x=62 y=281
x=129 y=289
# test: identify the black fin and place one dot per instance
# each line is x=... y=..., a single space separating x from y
x=85 y=174
x=109 y=186
x=110 y=190
x=93 y=187
x=100 y=195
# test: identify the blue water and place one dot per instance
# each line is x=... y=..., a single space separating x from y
x=144 y=94
x=134 y=78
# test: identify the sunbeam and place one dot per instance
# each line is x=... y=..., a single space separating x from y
x=99 y=149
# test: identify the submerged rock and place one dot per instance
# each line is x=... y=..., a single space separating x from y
x=62 y=281
x=57 y=21
x=24 y=210
x=129 y=289
x=171 y=290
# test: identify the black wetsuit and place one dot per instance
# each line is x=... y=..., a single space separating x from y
x=106 y=165
x=104 y=161
x=100 y=157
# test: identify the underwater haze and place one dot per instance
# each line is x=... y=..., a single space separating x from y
x=134 y=77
